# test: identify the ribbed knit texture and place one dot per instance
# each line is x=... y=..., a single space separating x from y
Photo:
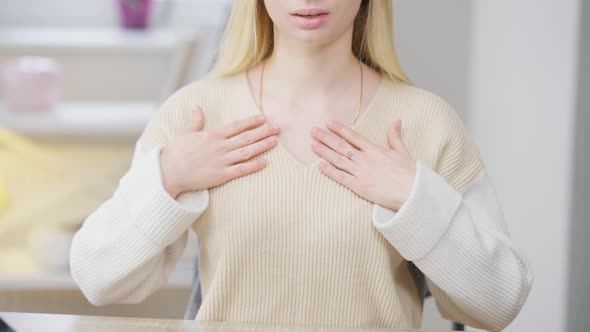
x=288 y=245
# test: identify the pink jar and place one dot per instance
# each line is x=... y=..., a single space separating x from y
x=32 y=83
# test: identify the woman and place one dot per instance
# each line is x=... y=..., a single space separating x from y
x=311 y=206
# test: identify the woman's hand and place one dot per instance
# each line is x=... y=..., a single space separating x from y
x=197 y=159
x=380 y=175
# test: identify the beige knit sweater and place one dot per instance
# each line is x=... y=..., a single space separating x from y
x=288 y=245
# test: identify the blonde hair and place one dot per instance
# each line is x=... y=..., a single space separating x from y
x=248 y=38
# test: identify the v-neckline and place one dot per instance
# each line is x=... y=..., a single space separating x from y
x=253 y=108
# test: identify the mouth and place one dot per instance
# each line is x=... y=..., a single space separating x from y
x=309 y=12
x=310 y=19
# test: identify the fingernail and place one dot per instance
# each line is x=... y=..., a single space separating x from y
x=274 y=126
x=260 y=118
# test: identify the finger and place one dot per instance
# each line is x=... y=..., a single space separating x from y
x=250 y=136
x=251 y=150
x=334 y=158
x=245 y=168
x=337 y=175
x=237 y=126
x=350 y=135
x=196 y=122
x=332 y=141
x=394 y=137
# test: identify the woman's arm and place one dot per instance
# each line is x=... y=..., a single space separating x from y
x=127 y=248
x=453 y=229
x=461 y=244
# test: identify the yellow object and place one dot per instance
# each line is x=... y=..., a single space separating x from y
x=25 y=148
x=4 y=197
x=53 y=184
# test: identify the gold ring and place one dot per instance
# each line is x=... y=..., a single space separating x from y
x=349 y=153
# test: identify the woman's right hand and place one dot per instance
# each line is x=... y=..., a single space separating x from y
x=197 y=159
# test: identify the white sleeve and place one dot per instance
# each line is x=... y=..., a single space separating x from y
x=460 y=242
x=127 y=248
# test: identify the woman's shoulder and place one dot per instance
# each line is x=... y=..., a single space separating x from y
x=201 y=93
x=175 y=112
x=435 y=128
x=424 y=105
x=424 y=111
x=208 y=86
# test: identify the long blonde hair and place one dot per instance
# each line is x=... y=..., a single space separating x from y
x=248 y=38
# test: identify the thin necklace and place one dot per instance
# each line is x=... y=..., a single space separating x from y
x=360 y=97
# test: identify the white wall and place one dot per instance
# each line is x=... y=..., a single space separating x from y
x=579 y=278
x=523 y=100
x=432 y=38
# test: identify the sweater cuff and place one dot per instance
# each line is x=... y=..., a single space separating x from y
x=423 y=219
x=154 y=212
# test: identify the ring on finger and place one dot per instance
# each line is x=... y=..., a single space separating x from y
x=349 y=153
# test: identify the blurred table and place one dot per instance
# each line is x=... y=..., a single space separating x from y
x=67 y=323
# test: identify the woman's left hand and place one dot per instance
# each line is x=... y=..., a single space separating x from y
x=380 y=175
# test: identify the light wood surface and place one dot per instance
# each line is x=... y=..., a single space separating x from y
x=70 y=323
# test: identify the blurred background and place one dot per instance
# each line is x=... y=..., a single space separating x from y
x=79 y=79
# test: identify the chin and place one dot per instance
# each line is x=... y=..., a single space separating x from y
x=324 y=35
x=314 y=37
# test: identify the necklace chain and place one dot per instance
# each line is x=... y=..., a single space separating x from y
x=262 y=85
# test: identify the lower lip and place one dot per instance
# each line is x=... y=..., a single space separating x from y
x=310 y=22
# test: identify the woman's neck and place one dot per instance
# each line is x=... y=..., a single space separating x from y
x=307 y=69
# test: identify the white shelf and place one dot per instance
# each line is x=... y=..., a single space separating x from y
x=86 y=120
x=91 y=38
